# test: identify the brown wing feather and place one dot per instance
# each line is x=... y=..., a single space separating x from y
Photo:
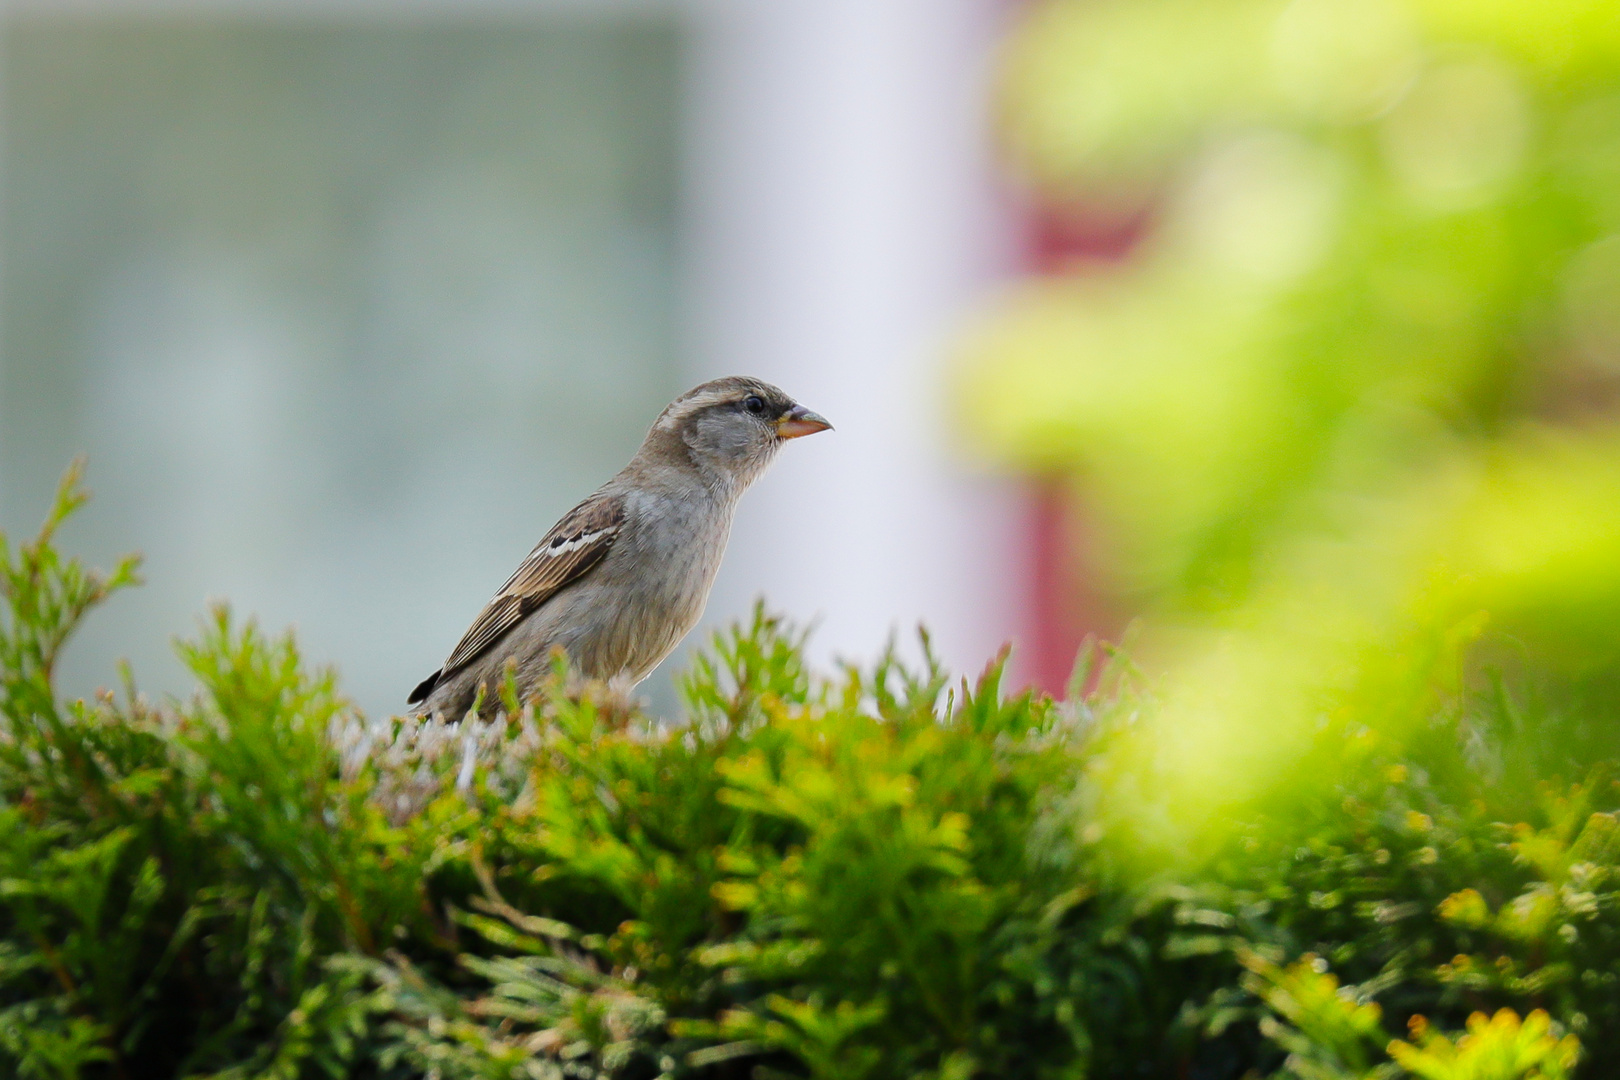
x=574 y=545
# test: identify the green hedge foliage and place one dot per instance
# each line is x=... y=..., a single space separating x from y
x=879 y=873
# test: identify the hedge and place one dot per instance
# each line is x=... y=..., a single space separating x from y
x=876 y=872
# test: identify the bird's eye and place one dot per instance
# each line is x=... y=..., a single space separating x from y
x=754 y=404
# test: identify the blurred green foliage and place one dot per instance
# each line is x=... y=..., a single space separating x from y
x=1351 y=398
x=878 y=874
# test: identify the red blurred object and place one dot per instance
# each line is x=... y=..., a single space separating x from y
x=1055 y=628
x=1064 y=604
x=1062 y=239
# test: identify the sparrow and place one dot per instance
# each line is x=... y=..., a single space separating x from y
x=622 y=578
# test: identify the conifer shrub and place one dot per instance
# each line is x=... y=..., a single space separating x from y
x=878 y=873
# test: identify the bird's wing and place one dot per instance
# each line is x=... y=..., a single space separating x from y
x=574 y=545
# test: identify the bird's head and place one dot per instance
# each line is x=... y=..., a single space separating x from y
x=732 y=427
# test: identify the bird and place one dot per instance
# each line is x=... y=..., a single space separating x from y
x=624 y=576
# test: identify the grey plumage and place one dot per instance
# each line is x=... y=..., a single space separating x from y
x=625 y=574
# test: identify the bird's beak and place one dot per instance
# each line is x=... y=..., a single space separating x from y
x=799 y=421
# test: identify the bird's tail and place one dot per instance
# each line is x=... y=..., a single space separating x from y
x=425 y=687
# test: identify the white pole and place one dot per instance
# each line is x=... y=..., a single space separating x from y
x=841 y=221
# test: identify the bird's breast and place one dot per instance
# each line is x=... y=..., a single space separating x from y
x=661 y=573
x=687 y=545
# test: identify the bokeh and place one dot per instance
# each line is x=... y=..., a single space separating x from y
x=1342 y=416
x=348 y=301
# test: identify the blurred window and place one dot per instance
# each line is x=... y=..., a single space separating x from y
x=344 y=313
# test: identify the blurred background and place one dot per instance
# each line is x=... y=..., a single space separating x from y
x=1321 y=365
x=348 y=300
x=1290 y=327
